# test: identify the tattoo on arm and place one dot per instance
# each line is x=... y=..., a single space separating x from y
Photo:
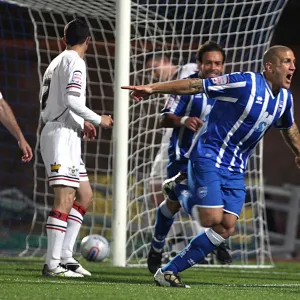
x=196 y=85
x=292 y=138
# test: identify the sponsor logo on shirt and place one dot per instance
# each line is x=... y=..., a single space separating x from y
x=264 y=122
x=76 y=81
x=220 y=80
x=77 y=77
x=55 y=167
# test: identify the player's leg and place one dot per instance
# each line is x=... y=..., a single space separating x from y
x=83 y=199
x=205 y=187
x=222 y=251
x=57 y=152
x=206 y=205
x=234 y=193
x=165 y=216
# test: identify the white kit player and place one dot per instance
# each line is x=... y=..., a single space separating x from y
x=66 y=116
x=163 y=69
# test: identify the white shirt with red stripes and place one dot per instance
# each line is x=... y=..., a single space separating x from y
x=64 y=81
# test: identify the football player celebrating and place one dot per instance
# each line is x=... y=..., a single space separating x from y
x=247 y=105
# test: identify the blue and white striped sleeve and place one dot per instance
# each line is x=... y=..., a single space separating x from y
x=227 y=87
x=287 y=119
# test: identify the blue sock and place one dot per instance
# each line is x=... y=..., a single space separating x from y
x=163 y=223
x=194 y=252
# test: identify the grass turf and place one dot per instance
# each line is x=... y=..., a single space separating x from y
x=21 y=279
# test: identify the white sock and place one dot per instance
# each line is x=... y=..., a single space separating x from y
x=214 y=237
x=75 y=219
x=56 y=228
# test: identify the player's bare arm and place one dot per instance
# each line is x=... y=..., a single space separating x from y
x=172 y=121
x=189 y=86
x=7 y=118
x=292 y=138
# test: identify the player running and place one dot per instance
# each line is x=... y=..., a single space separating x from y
x=247 y=105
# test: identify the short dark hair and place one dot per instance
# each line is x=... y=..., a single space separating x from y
x=210 y=46
x=76 y=32
x=272 y=52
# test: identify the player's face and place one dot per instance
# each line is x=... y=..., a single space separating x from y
x=211 y=65
x=159 y=69
x=283 y=69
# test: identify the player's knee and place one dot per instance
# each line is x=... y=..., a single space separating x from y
x=229 y=222
x=210 y=217
x=85 y=197
x=89 y=195
x=225 y=232
x=209 y=221
x=173 y=206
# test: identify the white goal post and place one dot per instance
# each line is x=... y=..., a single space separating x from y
x=119 y=163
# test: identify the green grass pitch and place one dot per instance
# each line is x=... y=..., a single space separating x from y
x=21 y=279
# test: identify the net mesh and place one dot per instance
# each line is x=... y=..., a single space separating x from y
x=172 y=27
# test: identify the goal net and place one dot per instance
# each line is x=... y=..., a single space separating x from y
x=172 y=27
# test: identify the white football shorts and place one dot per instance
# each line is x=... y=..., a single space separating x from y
x=61 y=153
x=159 y=167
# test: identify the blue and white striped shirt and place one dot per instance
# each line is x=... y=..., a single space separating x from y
x=245 y=110
x=191 y=106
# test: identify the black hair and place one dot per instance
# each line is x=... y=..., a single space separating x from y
x=76 y=32
x=210 y=46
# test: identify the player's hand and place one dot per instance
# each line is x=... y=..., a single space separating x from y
x=89 y=131
x=106 y=121
x=26 y=149
x=193 y=123
x=138 y=92
x=297 y=161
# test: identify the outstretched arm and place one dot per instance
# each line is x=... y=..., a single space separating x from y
x=189 y=86
x=292 y=138
x=7 y=118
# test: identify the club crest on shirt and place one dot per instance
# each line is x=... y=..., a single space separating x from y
x=220 y=80
x=202 y=191
x=73 y=171
x=55 y=167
